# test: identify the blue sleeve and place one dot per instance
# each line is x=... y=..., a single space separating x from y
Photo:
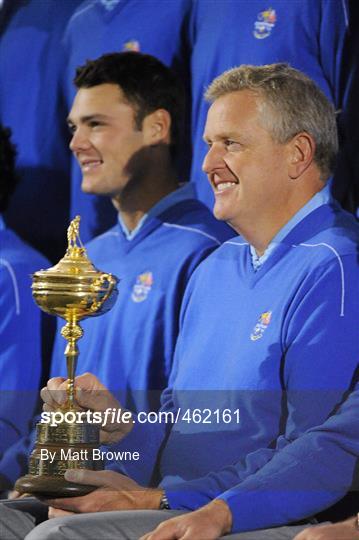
x=320 y=356
x=307 y=475
x=20 y=354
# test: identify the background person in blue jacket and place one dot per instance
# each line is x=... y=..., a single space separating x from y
x=32 y=62
x=20 y=319
x=267 y=348
x=101 y=26
x=311 y=36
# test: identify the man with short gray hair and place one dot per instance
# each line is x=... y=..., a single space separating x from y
x=291 y=103
x=267 y=349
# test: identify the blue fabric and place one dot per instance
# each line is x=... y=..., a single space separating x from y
x=153 y=27
x=308 y=35
x=279 y=345
x=110 y=4
x=184 y=192
x=32 y=105
x=20 y=337
x=322 y=197
x=315 y=469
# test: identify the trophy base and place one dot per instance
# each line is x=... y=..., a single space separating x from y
x=51 y=487
x=58 y=448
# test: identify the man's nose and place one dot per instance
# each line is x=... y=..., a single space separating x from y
x=213 y=159
x=79 y=141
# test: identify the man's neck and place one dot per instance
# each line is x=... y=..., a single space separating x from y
x=134 y=208
x=264 y=231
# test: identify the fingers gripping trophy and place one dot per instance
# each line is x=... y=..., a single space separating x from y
x=73 y=289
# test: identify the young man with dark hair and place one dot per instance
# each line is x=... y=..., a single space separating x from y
x=125 y=123
x=145 y=83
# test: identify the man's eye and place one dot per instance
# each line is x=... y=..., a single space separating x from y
x=71 y=128
x=232 y=145
x=95 y=123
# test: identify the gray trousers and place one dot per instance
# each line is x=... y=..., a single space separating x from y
x=18 y=524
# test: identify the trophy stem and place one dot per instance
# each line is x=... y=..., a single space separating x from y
x=71 y=362
x=72 y=332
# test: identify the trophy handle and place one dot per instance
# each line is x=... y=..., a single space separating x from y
x=96 y=305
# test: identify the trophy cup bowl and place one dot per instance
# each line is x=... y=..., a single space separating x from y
x=73 y=289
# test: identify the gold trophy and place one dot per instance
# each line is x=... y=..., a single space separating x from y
x=74 y=290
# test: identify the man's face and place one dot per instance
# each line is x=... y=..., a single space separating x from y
x=246 y=168
x=104 y=138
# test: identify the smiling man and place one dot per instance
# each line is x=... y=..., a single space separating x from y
x=260 y=183
x=107 y=141
x=267 y=348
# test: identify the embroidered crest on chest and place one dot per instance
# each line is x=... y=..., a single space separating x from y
x=142 y=287
x=261 y=325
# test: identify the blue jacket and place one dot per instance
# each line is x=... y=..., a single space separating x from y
x=274 y=352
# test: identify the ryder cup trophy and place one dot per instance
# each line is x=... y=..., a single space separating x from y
x=74 y=290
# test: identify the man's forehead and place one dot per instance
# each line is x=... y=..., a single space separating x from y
x=98 y=99
x=232 y=108
x=233 y=102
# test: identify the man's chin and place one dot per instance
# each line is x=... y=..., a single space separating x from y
x=219 y=212
x=88 y=187
x=92 y=190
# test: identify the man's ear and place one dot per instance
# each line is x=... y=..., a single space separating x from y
x=157 y=127
x=300 y=154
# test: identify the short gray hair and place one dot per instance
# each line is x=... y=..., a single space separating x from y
x=294 y=104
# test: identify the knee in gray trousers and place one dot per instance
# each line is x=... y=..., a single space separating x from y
x=131 y=525
x=114 y=525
